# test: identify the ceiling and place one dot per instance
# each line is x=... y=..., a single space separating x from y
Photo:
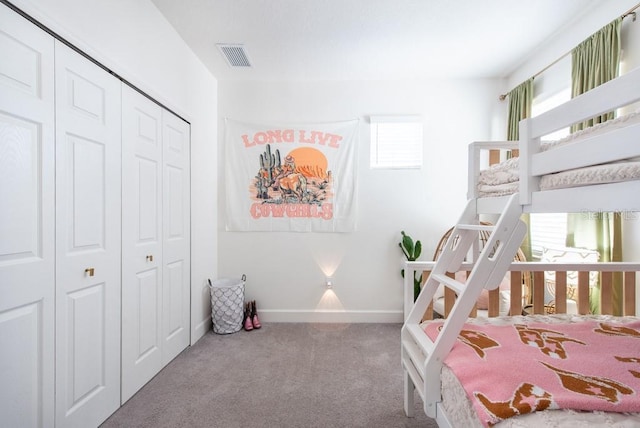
x=369 y=39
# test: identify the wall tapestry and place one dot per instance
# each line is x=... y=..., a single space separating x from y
x=299 y=178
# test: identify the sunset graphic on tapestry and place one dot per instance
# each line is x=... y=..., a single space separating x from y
x=300 y=177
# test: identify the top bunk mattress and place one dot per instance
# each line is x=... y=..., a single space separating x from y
x=503 y=178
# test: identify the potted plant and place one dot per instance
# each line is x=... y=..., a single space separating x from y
x=411 y=251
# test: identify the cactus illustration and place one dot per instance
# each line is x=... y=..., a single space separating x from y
x=269 y=162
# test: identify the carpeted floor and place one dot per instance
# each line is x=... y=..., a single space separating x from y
x=283 y=375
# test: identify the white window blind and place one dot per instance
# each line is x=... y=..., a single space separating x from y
x=548 y=230
x=396 y=142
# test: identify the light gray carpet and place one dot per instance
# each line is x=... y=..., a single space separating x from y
x=283 y=375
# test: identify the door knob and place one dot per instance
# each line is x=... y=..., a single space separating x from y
x=89 y=271
x=150 y=258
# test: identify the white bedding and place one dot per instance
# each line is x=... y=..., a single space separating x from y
x=505 y=301
x=460 y=410
x=597 y=174
x=502 y=178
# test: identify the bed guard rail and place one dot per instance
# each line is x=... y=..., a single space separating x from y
x=627 y=273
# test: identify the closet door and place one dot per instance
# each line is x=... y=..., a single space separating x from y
x=176 y=236
x=26 y=223
x=88 y=253
x=141 y=241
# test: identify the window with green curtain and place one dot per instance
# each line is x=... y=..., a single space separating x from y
x=594 y=62
x=549 y=230
x=520 y=101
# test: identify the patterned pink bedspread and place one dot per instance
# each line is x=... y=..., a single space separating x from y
x=509 y=370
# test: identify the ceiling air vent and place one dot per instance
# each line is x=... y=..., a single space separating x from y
x=235 y=55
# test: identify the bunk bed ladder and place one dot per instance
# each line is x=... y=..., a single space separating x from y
x=421 y=357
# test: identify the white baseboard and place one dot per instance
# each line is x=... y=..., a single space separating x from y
x=200 y=330
x=330 y=316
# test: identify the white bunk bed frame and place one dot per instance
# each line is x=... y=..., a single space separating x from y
x=422 y=358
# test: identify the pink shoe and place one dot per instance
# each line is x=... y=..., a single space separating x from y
x=254 y=315
x=248 y=324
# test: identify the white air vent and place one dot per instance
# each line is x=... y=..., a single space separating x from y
x=235 y=55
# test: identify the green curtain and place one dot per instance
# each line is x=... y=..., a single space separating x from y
x=520 y=101
x=600 y=231
x=594 y=62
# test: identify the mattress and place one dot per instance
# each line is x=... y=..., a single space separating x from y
x=503 y=178
x=460 y=411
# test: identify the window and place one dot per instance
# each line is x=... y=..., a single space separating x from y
x=549 y=230
x=396 y=142
x=547 y=104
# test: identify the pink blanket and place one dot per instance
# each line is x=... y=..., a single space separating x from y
x=509 y=370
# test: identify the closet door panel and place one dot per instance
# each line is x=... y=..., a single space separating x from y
x=88 y=226
x=26 y=223
x=141 y=241
x=176 y=236
x=86 y=217
x=25 y=402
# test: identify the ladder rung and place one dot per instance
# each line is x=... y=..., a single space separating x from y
x=457 y=286
x=420 y=337
x=479 y=227
x=415 y=355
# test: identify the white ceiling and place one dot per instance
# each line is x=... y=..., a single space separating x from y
x=369 y=39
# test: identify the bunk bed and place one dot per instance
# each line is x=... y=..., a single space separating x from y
x=436 y=353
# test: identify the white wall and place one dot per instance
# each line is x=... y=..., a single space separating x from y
x=133 y=39
x=284 y=270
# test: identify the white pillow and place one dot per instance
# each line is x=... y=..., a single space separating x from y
x=568 y=255
x=505 y=294
x=505 y=302
x=459 y=276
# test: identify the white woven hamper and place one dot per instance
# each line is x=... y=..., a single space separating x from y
x=227 y=305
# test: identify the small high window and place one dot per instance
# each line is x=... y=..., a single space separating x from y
x=396 y=142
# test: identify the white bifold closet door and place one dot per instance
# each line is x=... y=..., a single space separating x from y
x=27 y=144
x=141 y=241
x=155 y=239
x=176 y=236
x=88 y=246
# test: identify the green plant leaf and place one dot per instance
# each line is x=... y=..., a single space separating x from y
x=407 y=243
x=411 y=251
x=403 y=251
x=417 y=286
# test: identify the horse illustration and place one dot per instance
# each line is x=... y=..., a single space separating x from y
x=295 y=184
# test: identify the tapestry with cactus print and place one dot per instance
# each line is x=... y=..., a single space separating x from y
x=299 y=178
